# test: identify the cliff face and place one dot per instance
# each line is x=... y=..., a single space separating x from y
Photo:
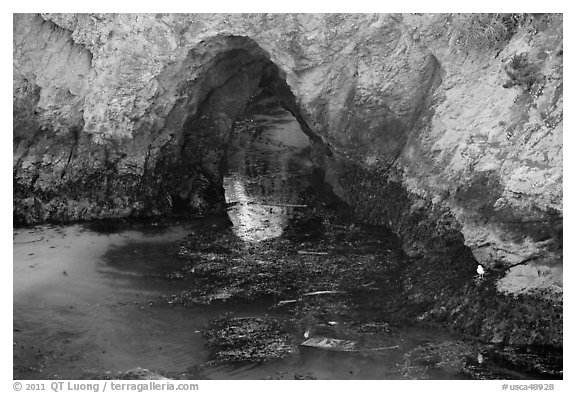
x=446 y=128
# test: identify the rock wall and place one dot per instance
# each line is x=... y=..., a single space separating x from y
x=447 y=128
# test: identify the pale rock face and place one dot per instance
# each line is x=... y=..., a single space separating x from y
x=123 y=115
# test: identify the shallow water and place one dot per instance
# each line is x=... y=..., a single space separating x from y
x=267 y=169
x=79 y=308
x=88 y=303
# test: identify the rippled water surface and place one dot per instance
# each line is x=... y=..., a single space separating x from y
x=83 y=302
x=86 y=303
x=89 y=303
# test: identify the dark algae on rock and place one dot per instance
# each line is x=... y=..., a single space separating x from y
x=345 y=285
x=365 y=165
x=249 y=339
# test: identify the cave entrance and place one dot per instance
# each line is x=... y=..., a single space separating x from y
x=267 y=169
x=243 y=142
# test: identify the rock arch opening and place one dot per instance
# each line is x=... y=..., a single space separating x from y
x=267 y=168
x=219 y=80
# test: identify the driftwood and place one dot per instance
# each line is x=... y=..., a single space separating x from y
x=317 y=293
x=276 y=204
x=321 y=293
x=377 y=349
x=283 y=302
x=312 y=252
x=334 y=344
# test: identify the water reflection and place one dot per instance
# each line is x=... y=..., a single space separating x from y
x=83 y=305
x=268 y=169
x=253 y=221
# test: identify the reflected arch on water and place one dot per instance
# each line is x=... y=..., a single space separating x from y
x=267 y=170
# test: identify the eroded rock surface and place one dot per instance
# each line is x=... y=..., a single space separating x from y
x=447 y=128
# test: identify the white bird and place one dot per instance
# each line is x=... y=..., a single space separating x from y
x=480 y=271
x=307 y=333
